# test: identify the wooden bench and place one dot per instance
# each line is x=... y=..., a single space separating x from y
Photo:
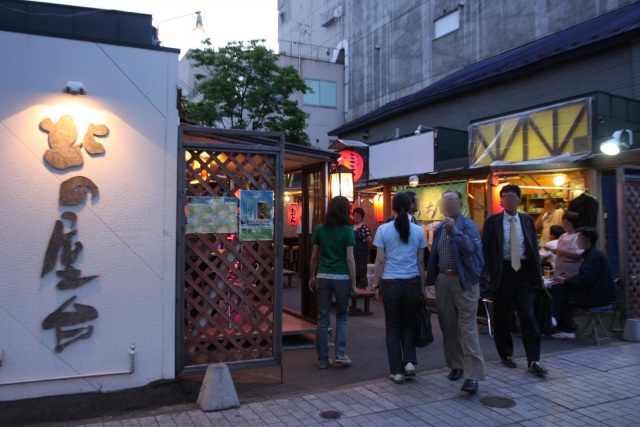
x=364 y=294
x=288 y=274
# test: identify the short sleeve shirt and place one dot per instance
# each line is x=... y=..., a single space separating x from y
x=401 y=259
x=333 y=241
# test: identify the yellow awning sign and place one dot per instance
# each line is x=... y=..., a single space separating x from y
x=535 y=134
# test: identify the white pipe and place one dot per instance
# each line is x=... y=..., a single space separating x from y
x=132 y=355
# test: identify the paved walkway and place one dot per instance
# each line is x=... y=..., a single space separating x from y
x=592 y=387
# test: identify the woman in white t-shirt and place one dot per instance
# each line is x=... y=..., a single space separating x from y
x=399 y=282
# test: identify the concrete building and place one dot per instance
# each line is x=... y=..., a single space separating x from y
x=391 y=49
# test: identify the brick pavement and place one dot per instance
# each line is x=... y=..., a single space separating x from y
x=593 y=387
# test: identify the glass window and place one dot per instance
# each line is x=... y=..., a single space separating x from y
x=447 y=24
x=324 y=94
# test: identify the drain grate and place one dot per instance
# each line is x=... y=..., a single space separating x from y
x=330 y=415
x=498 y=402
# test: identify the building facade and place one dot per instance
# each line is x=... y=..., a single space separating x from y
x=88 y=137
x=394 y=48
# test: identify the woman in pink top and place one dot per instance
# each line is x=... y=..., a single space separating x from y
x=568 y=256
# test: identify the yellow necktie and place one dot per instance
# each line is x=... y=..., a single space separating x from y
x=515 y=245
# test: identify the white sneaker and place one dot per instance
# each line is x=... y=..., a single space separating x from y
x=343 y=359
x=397 y=378
x=564 y=336
x=409 y=370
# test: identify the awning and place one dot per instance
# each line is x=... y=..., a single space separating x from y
x=341 y=144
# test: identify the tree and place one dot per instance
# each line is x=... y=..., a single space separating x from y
x=243 y=87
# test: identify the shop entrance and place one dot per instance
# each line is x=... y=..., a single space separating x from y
x=229 y=257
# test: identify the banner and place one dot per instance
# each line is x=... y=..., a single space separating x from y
x=428 y=198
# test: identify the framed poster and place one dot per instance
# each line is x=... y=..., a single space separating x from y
x=212 y=215
x=256 y=215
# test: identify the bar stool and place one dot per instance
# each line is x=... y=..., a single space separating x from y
x=295 y=257
x=286 y=255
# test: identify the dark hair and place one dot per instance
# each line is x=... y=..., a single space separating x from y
x=553 y=201
x=510 y=188
x=457 y=193
x=338 y=212
x=590 y=233
x=573 y=218
x=359 y=211
x=401 y=204
x=413 y=195
x=556 y=231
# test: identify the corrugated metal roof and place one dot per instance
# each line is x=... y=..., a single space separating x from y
x=606 y=30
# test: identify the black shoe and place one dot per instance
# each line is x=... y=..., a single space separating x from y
x=538 y=369
x=455 y=374
x=508 y=362
x=470 y=386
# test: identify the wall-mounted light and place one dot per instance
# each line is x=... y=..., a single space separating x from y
x=342 y=182
x=75 y=88
x=420 y=128
x=613 y=145
x=414 y=181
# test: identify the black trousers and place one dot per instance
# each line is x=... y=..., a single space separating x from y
x=516 y=291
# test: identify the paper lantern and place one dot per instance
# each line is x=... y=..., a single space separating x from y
x=342 y=183
x=378 y=207
x=352 y=161
x=293 y=214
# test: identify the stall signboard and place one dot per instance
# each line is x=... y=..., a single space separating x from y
x=256 y=215
x=429 y=197
x=541 y=133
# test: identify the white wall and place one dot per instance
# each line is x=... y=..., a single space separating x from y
x=128 y=232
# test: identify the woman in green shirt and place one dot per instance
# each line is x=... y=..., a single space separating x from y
x=333 y=272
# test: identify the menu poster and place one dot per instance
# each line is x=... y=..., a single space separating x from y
x=212 y=215
x=256 y=215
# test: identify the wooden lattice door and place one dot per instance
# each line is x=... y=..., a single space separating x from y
x=230 y=295
x=628 y=183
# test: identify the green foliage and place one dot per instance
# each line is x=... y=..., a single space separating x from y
x=243 y=87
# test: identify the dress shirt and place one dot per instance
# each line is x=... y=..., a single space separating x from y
x=506 y=225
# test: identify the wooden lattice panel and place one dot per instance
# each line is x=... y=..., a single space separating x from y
x=229 y=284
x=632 y=196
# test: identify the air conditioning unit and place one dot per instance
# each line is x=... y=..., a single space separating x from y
x=331 y=16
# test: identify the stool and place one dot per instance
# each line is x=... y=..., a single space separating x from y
x=295 y=250
x=594 y=319
x=286 y=256
x=361 y=294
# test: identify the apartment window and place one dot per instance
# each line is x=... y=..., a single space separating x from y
x=447 y=24
x=324 y=94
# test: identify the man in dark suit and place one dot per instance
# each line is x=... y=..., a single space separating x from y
x=512 y=268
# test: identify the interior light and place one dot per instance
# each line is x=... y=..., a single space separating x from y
x=559 y=180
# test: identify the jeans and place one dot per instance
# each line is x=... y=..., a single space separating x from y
x=400 y=300
x=325 y=289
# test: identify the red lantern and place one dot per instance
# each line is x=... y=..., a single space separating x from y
x=353 y=161
x=293 y=214
x=378 y=207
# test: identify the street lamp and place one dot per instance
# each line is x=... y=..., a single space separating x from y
x=612 y=146
x=198 y=27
